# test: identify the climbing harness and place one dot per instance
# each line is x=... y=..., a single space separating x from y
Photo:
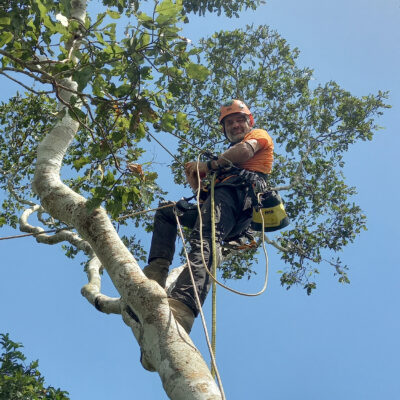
x=213 y=241
x=239 y=244
x=269 y=203
x=252 y=184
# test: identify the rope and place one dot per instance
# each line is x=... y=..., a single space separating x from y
x=214 y=271
x=175 y=158
x=118 y=219
x=203 y=320
x=211 y=346
x=146 y=211
x=128 y=215
x=185 y=140
x=33 y=234
x=214 y=370
x=202 y=249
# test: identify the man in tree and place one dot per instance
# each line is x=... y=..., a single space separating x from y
x=247 y=161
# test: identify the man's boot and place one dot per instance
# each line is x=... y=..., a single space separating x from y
x=157 y=270
x=184 y=315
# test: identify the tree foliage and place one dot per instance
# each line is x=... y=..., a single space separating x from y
x=313 y=127
x=144 y=81
x=19 y=381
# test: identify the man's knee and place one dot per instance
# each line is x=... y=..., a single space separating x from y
x=165 y=213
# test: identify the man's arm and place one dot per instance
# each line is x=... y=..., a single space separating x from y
x=237 y=154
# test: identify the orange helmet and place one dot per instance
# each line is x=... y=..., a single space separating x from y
x=233 y=107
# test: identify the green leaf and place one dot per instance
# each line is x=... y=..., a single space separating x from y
x=144 y=40
x=93 y=203
x=42 y=9
x=100 y=38
x=99 y=20
x=67 y=6
x=182 y=122
x=31 y=24
x=5 y=21
x=197 y=71
x=5 y=38
x=117 y=136
x=114 y=14
x=145 y=20
x=109 y=179
x=168 y=122
x=83 y=76
x=80 y=162
x=122 y=90
x=77 y=113
x=52 y=27
x=140 y=131
x=169 y=9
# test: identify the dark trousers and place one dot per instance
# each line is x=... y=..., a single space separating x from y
x=233 y=213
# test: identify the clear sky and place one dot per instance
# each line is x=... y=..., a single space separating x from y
x=342 y=342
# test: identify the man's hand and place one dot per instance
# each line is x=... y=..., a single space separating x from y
x=191 y=173
x=191 y=168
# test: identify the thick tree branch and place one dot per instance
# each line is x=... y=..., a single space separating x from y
x=274 y=243
x=164 y=343
x=60 y=236
x=91 y=291
x=173 y=276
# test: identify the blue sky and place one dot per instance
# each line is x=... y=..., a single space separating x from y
x=342 y=342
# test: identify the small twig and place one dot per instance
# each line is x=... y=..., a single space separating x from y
x=25 y=86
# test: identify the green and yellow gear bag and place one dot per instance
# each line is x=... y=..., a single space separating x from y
x=273 y=211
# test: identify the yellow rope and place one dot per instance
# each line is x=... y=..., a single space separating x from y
x=214 y=271
x=214 y=263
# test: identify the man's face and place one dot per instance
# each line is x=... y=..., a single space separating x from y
x=236 y=127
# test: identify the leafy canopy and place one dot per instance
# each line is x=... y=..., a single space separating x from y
x=139 y=79
x=19 y=381
x=313 y=127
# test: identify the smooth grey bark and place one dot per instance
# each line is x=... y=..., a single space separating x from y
x=184 y=374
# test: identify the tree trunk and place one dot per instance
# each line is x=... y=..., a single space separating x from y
x=166 y=345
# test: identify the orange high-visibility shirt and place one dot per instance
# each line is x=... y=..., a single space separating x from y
x=263 y=159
